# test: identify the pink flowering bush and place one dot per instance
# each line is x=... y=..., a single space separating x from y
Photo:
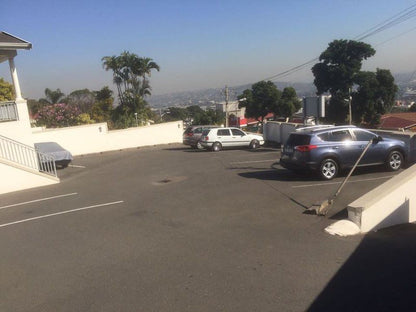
x=58 y=115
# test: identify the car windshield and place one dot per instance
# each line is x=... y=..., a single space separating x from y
x=205 y=132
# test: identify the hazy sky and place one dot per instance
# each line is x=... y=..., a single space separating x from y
x=198 y=44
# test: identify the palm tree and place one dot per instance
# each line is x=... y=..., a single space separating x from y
x=129 y=74
x=113 y=63
x=52 y=97
x=147 y=64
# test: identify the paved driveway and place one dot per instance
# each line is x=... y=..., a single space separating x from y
x=172 y=229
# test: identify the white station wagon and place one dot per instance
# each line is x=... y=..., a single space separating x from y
x=219 y=138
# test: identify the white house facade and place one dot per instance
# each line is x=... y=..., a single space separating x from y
x=20 y=165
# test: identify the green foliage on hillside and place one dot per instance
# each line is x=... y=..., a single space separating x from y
x=264 y=97
x=6 y=91
x=339 y=73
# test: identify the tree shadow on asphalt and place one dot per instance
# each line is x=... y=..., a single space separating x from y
x=379 y=276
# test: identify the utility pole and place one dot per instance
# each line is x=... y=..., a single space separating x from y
x=226 y=105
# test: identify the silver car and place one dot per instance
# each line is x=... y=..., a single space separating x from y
x=192 y=135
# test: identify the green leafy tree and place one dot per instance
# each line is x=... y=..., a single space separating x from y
x=176 y=113
x=209 y=117
x=336 y=73
x=52 y=97
x=6 y=91
x=34 y=106
x=262 y=99
x=103 y=105
x=82 y=99
x=374 y=97
x=194 y=111
x=289 y=103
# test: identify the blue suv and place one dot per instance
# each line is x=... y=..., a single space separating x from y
x=328 y=150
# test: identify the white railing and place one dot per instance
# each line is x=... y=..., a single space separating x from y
x=8 y=111
x=26 y=156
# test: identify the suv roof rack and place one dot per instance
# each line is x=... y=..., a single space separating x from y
x=323 y=127
x=317 y=127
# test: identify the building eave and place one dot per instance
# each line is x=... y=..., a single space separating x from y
x=11 y=42
x=15 y=46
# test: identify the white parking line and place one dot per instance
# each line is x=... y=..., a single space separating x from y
x=37 y=200
x=251 y=161
x=331 y=183
x=76 y=166
x=60 y=213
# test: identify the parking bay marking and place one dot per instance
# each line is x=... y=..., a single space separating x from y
x=251 y=161
x=61 y=213
x=330 y=183
x=76 y=166
x=37 y=200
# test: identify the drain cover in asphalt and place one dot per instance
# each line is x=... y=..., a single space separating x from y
x=169 y=180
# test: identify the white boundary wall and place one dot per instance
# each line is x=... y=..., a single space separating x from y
x=96 y=138
x=393 y=202
x=85 y=139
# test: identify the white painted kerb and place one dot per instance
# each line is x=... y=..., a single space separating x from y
x=393 y=202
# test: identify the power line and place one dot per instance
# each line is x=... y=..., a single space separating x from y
x=396 y=19
x=397 y=36
x=398 y=15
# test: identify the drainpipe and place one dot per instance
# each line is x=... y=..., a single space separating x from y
x=16 y=84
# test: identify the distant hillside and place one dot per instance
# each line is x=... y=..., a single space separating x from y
x=207 y=97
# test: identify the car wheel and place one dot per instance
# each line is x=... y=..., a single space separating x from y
x=199 y=145
x=254 y=144
x=394 y=161
x=216 y=147
x=328 y=169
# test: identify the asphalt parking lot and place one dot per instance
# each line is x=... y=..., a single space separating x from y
x=168 y=228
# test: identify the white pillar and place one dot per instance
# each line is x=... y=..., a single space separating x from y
x=16 y=84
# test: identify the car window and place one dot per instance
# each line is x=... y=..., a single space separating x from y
x=205 y=132
x=340 y=135
x=198 y=130
x=222 y=132
x=361 y=135
x=237 y=132
x=324 y=136
x=298 y=139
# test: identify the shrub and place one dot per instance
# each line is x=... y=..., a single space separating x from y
x=58 y=115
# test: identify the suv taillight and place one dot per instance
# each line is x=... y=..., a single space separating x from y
x=206 y=138
x=189 y=134
x=305 y=148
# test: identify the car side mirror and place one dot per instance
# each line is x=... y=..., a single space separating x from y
x=377 y=139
